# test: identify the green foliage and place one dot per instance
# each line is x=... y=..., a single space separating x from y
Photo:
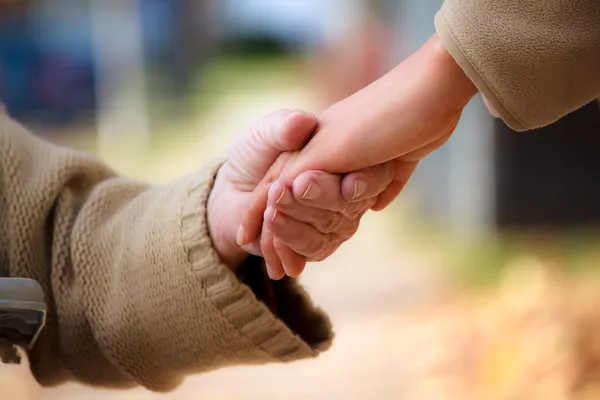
x=480 y=261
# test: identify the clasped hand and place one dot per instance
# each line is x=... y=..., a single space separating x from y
x=303 y=219
x=293 y=190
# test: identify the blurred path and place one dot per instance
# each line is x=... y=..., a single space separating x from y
x=365 y=288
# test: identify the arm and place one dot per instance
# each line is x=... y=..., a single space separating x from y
x=400 y=115
x=137 y=293
x=403 y=116
x=533 y=64
x=533 y=61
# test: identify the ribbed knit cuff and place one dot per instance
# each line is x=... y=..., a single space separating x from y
x=449 y=40
x=273 y=334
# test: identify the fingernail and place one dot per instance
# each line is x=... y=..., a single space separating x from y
x=277 y=219
x=312 y=192
x=289 y=273
x=360 y=187
x=285 y=198
x=240 y=237
x=270 y=271
x=274 y=275
x=284 y=121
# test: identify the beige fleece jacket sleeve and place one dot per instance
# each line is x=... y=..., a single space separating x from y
x=136 y=292
x=535 y=61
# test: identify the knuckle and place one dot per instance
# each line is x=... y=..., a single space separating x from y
x=357 y=209
x=331 y=222
x=300 y=238
x=351 y=230
x=325 y=250
x=322 y=255
x=348 y=231
x=368 y=204
x=317 y=258
x=280 y=246
x=315 y=246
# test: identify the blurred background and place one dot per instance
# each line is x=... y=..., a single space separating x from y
x=480 y=282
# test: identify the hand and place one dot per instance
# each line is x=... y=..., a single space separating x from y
x=248 y=162
x=309 y=218
x=402 y=117
x=315 y=221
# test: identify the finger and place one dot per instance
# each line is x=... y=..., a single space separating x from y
x=293 y=263
x=252 y=219
x=404 y=169
x=427 y=149
x=319 y=189
x=280 y=131
x=253 y=247
x=367 y=183
x=325 y=221
x=301 y=237
x=274 y=266
x=403 y=172
x=293 y=132
x=270 y=137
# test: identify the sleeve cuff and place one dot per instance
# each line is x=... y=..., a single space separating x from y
x=448 y=39
x=277 y=318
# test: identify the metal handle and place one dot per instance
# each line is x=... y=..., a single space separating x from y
x=22 y=310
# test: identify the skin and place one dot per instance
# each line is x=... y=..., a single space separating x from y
x=251 y=159
x=398 y=119
x=308 y=219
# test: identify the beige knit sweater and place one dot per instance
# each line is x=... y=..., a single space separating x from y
x=136 y=293
x=534 y=60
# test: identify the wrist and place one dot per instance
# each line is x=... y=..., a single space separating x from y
x=415 y=104
x=221 y=217
x=456 y=89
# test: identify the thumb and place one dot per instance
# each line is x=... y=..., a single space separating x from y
x=258 y=148
x=257 y=151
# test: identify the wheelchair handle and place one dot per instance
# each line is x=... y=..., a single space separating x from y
x=22 y=310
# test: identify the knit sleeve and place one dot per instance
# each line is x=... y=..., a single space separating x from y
x=534 y=61
x=136 y=293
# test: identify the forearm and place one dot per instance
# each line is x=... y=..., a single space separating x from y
x=136 y=292
x=150 y=293
x=397 y=114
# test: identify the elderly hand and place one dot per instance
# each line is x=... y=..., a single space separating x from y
x=249 y=160
x=309 y=218
x=312 y=216
x=400 y=118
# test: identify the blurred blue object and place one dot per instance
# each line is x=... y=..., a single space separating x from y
x=47 y=66
x=41 y=76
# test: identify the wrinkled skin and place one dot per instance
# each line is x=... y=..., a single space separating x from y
x=308 y=218
x=395 y=121
x=307 y=227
